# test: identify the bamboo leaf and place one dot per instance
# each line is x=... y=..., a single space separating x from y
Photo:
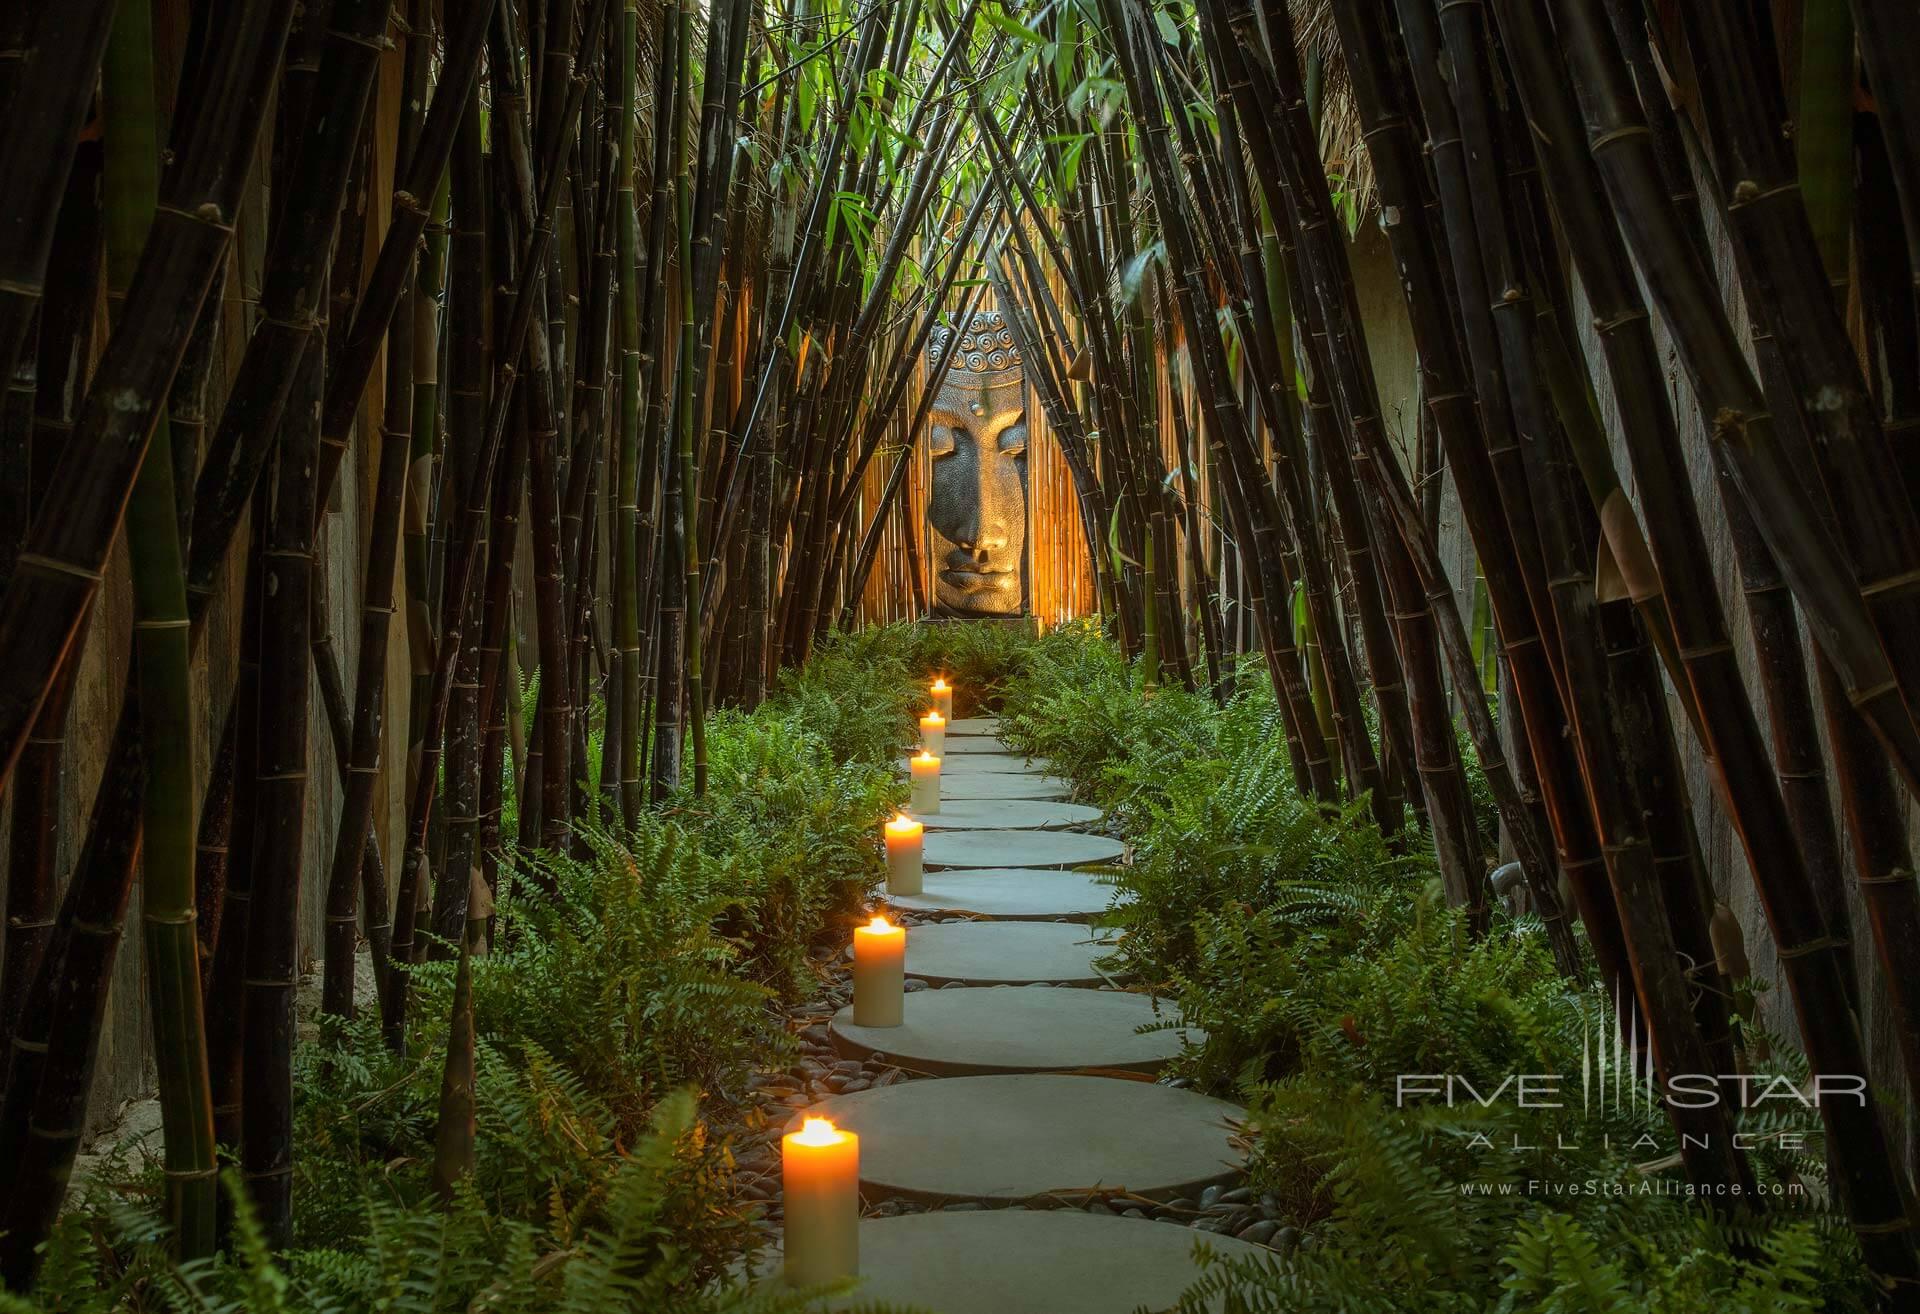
x=1135 y=271
x=1013 y=27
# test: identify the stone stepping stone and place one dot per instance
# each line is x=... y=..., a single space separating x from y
x=974 y=725
x=1015 y=1261
x=979 y=763
x=1018 y=848
x=1002 y=1140
x=1010 y=894
x=973 y=745
x=957 y=1033
x=982 y=785
x=1005 y=953
x=1007 y=814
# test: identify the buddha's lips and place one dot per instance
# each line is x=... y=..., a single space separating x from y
x=977 y=579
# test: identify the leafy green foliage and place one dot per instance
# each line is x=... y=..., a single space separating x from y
x=1323 y=965
x=627 y=997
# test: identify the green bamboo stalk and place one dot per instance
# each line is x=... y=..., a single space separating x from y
x=626 y=588
x=687 y=407
x=163 y=658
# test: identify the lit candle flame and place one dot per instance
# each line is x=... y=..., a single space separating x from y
x=925 y=757
x=933 y=718
x=819 y=1131
x=902 y=822
x=880 y=923
x=939 y=685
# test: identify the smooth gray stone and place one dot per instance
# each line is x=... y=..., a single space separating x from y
x=1005 y=953
x=981 y=785
x=1017 y=848
x=1010 y=894
x=1028 y=1261
x=1002 y=1140
x=976 y=763
x=968 y=1032
x=972 y=745
x=974 y=725
x=1007 y=814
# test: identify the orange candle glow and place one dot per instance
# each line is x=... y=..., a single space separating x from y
x=879 y=973
x=926 y=783
x=904 y=866
x=820 y=1183
x=943 y=697
x=933 y=733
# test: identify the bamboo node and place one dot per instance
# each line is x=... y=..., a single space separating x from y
x=1892 y=1225
x=57 y=566
x=1819 y=944
x=1891 y=584
x=1618 y=136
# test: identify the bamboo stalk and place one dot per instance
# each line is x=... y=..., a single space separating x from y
x=58 y=574
x=1873 y=1195
x=273 y=914
x=163 y=659
x=49 y=91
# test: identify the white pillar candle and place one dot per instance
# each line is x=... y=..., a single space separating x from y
x=926 y=783
x=904 y=867
x=879 y=973
x=820 y=1183
x=943 y=697
x=933 y=733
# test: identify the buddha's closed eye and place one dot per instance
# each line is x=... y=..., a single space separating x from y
x=942 y=439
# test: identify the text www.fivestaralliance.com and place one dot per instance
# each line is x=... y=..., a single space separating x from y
x=1594 y=1186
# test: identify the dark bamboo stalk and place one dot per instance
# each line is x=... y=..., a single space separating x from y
x=44 y=1112
x=272 y=958
x=297 y=266
x=1789 y=290
x=468 y=533
x=1872 y=1193
x=48 y=92
x=66 y=554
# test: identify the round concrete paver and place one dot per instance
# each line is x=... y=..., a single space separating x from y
x=981 y=785
x=1008 y=1139
x=1008 y=814
x=973 y=745
x=1024 y=1261
x=1017 y=1029
x=1010 y=894
x=975 y=763
x=1005 y=953
x=1018 y=848
x=974 y=725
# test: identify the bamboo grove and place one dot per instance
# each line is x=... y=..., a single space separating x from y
x=637 y=370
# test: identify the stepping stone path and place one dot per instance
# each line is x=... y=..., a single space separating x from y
x=1006 y=953
x=1010 y=1139
x=974 y=746
x=1010 y=894
x=1033 y=1104
x=1020 y=1261
x=1017 y=1029
x=1018 y=848
x=981 y=785
x=974 y=764
x=994 y=814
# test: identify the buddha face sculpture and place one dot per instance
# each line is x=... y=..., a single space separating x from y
x=977 y=505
